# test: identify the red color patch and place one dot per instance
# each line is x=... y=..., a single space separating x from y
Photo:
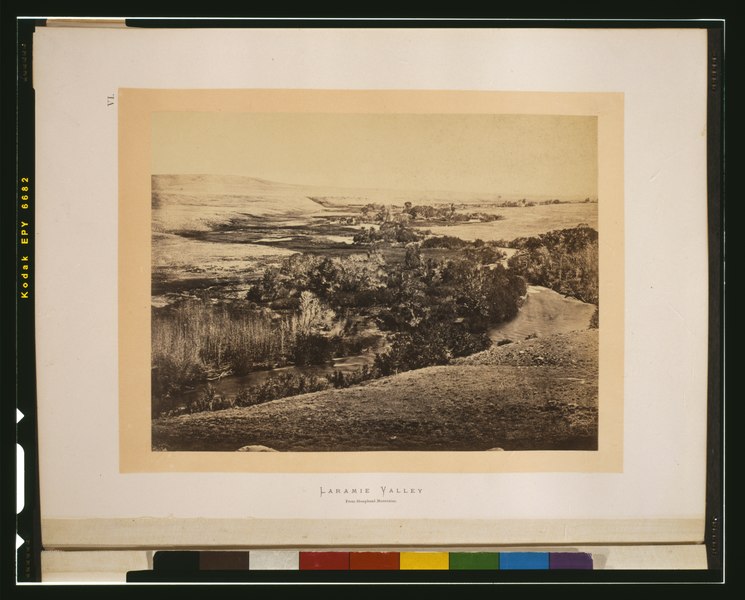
x=374 y=561
x=324 y=561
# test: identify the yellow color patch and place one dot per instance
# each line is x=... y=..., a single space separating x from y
x=424 y=561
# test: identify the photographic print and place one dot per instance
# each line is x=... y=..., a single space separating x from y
x=331 y=282
x=370 y=280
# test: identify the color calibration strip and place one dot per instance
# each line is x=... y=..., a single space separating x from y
x=272 y=560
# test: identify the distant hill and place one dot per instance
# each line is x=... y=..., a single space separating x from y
x=218 y=184
x=199 y=202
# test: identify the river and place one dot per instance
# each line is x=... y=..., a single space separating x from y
x=232 y=384
x=543 y=312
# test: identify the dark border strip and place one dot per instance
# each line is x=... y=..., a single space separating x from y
x=274 y=20
x=443 y=576
x=22 y=331
x=714 y=458
x=28 y=520
x=8 y=555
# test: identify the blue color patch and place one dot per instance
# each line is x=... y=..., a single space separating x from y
x=523 y=560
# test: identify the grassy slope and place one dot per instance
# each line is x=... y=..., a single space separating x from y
x=536 y=394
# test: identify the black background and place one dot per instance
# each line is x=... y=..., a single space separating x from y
x=17 y=332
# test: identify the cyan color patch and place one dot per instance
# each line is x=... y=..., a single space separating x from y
x=523 y=561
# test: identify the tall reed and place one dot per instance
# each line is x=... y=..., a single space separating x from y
x=196 y=340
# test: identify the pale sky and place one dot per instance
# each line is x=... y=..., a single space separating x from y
x=530 y=155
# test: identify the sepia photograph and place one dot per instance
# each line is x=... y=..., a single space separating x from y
x=362 y=282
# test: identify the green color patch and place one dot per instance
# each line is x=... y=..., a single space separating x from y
x=474 y=561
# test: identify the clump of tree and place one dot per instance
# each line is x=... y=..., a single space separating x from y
x=516 y=203
x=341 y=283
x=422 y=213
x=341 y=379
x=553 y=201
x=428 y=290
x=313 y=325
x=208 y=399
x=447 y=213
x=472 y=286
x=475 y=251
x=273 y=388
x=446 y=241
x=431 y=343
x=390 y=232
x=439 y=310
x=565 y=260
x=280 y=386
x=434 y=309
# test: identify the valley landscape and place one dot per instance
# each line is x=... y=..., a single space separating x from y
x=298 y=318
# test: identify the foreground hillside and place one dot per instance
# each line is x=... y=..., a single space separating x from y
x=532 y=395
x=576 y=350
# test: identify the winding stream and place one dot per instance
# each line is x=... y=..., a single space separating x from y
x=544 y=312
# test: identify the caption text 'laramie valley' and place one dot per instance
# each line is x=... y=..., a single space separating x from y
x=366 y=491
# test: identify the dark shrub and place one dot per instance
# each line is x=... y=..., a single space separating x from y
x=286 y=385
x=429 y=345
x=595 y=319
x=312 y=349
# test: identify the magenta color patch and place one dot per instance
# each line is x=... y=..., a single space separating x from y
x=570 y=560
